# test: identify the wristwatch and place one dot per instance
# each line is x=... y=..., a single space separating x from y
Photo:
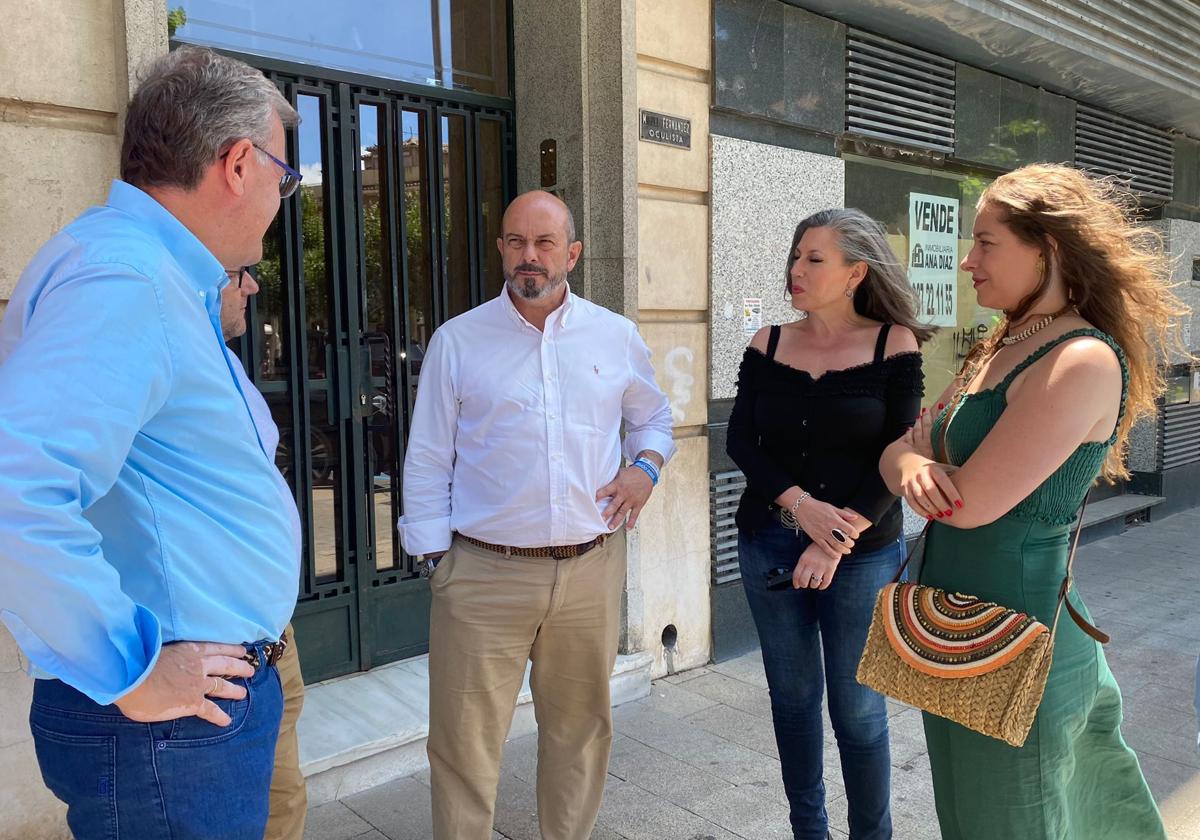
x=426 y=563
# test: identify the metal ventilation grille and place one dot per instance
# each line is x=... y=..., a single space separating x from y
x=725 y=490
x=1138 y=154
x=898 y=93
x=1179 y=435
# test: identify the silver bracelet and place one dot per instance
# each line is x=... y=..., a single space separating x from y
x=788 y=517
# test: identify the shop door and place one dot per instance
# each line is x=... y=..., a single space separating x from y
x=391 y=233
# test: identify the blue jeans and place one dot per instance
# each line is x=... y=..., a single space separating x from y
x=183 y=779
x=794 y=628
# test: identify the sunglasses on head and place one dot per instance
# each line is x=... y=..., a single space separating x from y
x=288 y=181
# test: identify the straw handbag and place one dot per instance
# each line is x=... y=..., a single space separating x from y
x=977 y=663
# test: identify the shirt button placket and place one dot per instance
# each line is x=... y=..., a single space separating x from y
x=554 y=438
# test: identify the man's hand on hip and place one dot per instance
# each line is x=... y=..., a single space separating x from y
x=627 y=495
x=184 y=677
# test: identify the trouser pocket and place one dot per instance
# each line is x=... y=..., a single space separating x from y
x=81 y=770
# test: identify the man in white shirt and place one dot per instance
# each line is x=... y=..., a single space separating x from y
x=513 y=489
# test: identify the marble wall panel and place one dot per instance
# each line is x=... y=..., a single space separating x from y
x=678 y=351
x=668 y=166
x=50 y=176
x=672 y=255
x=759 y=194
x=61 y=53
x=679 y=31
x=672 y=542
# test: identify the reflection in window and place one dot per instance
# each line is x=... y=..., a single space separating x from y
x=269 y=309
x=382 y=425
x=448 y=43
x=456 y=235
x=418 y=257
x=373 y=175
x=317 y=279
x=882 y=191
x=491 y=201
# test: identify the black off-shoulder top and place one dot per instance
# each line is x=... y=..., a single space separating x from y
x=824 y=434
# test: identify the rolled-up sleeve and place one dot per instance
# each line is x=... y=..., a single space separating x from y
x=429 y=460
x=91 y=365
x=644 y=406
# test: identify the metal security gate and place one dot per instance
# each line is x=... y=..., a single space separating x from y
x=391 y=233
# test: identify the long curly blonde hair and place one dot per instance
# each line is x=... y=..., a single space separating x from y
x=1115 y=271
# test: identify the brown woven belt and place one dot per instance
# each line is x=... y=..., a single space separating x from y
x=272 y=650
x=558 y=552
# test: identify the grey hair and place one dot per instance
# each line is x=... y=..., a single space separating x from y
x=192 y=104
x=885 y=293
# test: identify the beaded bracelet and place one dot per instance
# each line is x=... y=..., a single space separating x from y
x=649 y=469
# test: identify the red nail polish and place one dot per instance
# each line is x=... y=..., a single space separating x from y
x=941 y=515
x=930 y=518
x=941 y=406
x=949 y=513
x=958 y=504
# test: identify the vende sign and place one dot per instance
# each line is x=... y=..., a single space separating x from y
x=933 y=257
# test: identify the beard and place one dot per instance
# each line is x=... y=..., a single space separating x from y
x=527 y=287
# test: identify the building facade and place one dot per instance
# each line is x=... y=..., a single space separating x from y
x=689 y=137
x=908 y=111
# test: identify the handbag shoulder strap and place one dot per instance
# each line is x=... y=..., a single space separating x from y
x=1063 y=590
x=1084 y=625
x=916 y=545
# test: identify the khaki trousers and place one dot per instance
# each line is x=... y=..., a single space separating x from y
x=289 y=799
x=491 y=613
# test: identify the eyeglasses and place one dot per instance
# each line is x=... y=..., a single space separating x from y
x=288 y=181
x=237 y=275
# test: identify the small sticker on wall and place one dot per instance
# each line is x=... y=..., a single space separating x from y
x=751 y=315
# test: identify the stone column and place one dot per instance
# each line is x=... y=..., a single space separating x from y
x=66 y=71
x=575 y=70
x=576 y=81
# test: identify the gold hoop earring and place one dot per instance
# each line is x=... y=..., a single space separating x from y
x=1041 y=268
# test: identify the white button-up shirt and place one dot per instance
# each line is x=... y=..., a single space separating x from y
x=516 y=429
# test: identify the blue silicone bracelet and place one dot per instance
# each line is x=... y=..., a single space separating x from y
x=653 y=466
x=648 y=468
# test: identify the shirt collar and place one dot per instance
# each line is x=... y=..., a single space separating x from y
x=561 y=313
x=198 y=263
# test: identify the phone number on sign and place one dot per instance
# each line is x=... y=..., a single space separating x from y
x=935 y=299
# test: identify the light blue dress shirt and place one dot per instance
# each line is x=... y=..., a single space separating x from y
x=138 y=505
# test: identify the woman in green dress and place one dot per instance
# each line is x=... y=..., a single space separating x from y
x=1043 y=408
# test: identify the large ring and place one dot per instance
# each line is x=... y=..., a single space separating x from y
x=814 y=579
x=839 y=535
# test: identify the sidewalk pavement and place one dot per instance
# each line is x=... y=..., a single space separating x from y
x=696 y=760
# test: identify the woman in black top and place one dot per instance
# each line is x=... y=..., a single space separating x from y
x=817 y=401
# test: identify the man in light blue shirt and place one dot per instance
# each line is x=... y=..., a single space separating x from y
x=149 y=552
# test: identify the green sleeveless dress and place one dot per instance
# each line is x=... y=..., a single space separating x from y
x=1075 y=778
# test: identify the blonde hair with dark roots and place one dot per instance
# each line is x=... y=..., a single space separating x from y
x=1115 y=273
